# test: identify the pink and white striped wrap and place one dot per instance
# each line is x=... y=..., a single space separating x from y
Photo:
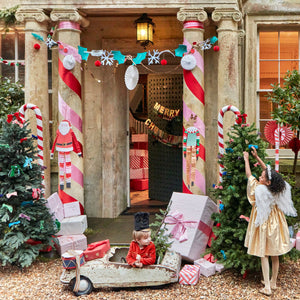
x=39 y=125
x=220 y=132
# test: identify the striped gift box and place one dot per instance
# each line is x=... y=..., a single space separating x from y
x=137 y=162
x=189 y=274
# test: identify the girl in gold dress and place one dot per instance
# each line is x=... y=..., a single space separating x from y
x=267 y=232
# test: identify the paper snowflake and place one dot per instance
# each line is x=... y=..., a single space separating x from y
x=50 y=43
x=107 y=58
x=205 y=45
x=153 y=59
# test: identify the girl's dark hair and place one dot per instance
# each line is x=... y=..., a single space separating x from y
x=277 y=183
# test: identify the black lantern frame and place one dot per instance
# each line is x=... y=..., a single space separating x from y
x=144 y=30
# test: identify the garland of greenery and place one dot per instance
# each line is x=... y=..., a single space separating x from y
x=8 y=16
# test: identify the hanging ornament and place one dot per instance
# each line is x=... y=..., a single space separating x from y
x=163 y=62
x=216 y=48
x=21 y=215
x=188 y=62
x=69 y=62
x=66 y=50
x=27 y=162
x=97 y=63
x=37 y=46
x=131 y=77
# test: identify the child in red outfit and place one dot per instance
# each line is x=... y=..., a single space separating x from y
x=142 y=250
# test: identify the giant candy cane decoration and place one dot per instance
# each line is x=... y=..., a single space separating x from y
x=39 y=125
x=220 y=132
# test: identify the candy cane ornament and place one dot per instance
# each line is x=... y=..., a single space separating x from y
x=220 y=132
x=39 y=125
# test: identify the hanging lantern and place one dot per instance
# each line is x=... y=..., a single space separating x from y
x=144 y=30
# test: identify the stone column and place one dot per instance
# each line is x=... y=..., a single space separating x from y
x=69 y=94
x=36 y=77
x=193 y=103
x=227 y=20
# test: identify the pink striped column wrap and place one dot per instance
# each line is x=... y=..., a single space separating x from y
x=193 y=104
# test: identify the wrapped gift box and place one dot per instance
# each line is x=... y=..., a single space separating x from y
x=72 y=209
x=298 y=240
x=138 y=161
x=139 y=173
x=292 y=243
x=139 y=184
x=71 y=242
x=189 y=222
x=189 y=274
x=73 y=225
x=69 y=259
x=219 y=267
x=55 y=207
x=96 y=250
x=206 y=268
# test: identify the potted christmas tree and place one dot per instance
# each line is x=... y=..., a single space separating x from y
x=26 y=226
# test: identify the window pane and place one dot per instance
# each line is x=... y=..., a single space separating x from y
x=8 y=46
x=265 y=106
x=287 y=66
x=21 y=46
x=289 y=47
x=22 y=75
x=268 y=74
x=268 y=45
x=8 y=71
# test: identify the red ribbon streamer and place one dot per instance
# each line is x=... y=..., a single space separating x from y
x=193 y=85
x=69 y=79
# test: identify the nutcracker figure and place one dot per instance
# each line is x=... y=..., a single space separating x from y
x=64 y=143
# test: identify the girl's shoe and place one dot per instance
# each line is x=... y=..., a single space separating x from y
x=265 y=291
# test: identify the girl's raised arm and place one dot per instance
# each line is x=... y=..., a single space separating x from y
x=254 y=153
x=247 y=164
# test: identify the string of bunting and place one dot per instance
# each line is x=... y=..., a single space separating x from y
x=162 y=136
x=10 y=63
x=165 y=113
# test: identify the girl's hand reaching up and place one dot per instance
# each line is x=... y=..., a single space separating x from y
x=254 y=152
x=246 y=155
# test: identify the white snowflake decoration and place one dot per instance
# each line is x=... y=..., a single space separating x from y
x=107 y=58
x=50 y=43
x=153 y=59
x=205 y=45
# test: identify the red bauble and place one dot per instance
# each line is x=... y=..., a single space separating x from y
x=216 y=48
x=66 y=50
x=192 y=51
x=163 y=62
x=61 y=46
x=12 y=64
x=194 y=43
x=97 y=63
x=218 y=224
x=37 y=46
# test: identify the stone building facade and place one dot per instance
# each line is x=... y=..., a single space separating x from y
x=233 y=76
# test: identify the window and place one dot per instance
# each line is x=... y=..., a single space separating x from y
x=278 y=53
x=12 y=52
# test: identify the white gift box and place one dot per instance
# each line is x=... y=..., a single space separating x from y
x=206 y=268
x=189 y=222
x=71 y=242
x=55 y=207
x=72 y=209
x=189 y=274
x=219 y=267
x=73 y=225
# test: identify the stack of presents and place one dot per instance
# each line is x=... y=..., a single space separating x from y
x=71 y=233
x=139 y=166
x=190 y=224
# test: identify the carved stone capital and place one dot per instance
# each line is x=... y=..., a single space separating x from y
x=228 y=14
x=38 y=15
x=69 y=15
x=189 y=14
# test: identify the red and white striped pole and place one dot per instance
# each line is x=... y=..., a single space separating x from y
x=221 y=133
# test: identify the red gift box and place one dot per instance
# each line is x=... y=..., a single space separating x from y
x=96 y=250
x=139 y=184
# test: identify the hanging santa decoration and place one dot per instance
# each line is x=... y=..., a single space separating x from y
x=64 y=143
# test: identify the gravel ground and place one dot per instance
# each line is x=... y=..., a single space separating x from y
x=41 y=281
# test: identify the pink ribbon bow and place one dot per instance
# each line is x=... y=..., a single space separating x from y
x=36 y=193
x=179 y=230
x=11 y=194
x=218 y=187
x=244 y=217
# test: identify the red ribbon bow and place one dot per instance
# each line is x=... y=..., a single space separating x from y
x=241 y=118
x=11 y=116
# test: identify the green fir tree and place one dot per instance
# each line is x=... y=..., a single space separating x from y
x=24 y=218
x=230 y=229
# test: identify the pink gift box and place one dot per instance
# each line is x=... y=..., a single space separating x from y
x=298 y=240
x=55 y=207
x=72 y=209
x=189 y=222
x=137 y=162
x=139 y=173
x=71 y=242
x=189 y=274
x=206 y=268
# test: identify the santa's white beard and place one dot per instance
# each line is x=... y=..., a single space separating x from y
x=64 y=128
